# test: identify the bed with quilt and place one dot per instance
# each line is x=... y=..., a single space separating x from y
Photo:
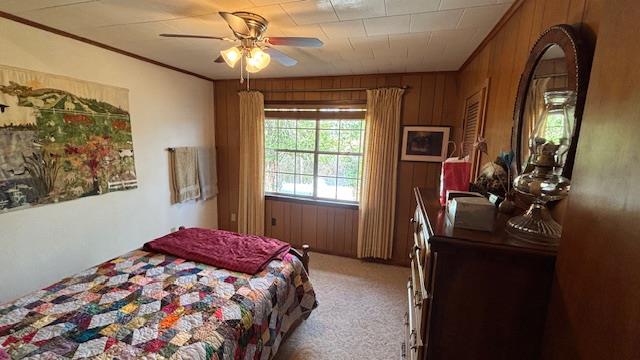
x=154 y=305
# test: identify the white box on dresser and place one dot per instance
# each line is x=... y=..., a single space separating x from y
x=474 y=213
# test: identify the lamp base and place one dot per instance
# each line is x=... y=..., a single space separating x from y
x=536 y=226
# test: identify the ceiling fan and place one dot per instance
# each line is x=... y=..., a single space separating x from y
x=254 y=48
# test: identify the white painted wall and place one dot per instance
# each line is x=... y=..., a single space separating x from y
x=42 y=245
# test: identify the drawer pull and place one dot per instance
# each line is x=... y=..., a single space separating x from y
x=422 y=289
x=418 y=240
x=406 y=340
x=414 y=341
x=403 y=351
x=411 y=307
x=414 y=330
x=417 y=297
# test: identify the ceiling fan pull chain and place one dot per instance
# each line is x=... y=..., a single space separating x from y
x=241 y=70
x=248 y=79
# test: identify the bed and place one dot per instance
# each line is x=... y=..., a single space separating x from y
x=157 y=306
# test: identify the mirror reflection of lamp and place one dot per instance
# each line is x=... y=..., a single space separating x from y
x=548 y=144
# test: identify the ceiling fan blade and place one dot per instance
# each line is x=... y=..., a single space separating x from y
x=281 y=57
x=219 y=60
x=294 y=41
x=196 y=37
x=236 y=23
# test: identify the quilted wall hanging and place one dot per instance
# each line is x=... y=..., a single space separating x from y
x=61 y=139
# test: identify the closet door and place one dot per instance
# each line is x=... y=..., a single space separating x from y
x=474 y=118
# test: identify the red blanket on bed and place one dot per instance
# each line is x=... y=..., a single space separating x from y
x=223 y=249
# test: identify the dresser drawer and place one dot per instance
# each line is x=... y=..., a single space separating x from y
x=421 y=232
x=407 y=351
x=418 y=293
x=405 y=348
x=420 y=229
x=420 y=275
x=420 y=257
x=412 y=344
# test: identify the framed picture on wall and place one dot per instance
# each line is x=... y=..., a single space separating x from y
x=425 y=143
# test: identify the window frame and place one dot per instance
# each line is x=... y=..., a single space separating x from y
x=317 y=113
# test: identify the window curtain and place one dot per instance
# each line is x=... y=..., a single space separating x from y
x=251 y=139
x=378 y=197
x=534 y=108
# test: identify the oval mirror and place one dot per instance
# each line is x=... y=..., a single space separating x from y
x=554 y=78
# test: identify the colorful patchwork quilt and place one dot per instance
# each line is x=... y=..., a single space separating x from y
x=153 y=306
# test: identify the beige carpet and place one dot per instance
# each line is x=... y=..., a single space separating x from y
x=360 y=314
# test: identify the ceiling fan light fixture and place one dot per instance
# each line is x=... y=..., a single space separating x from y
x=252 y=69
x=257 y=60
x=253 y=50
x=231 y=56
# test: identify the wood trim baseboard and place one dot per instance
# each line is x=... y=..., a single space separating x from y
x=502 y=22
x=98 y=44
x=319 y=203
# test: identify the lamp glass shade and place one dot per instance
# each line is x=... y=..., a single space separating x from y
x=555 y=126
x=257 y=60
x=231 y=56
x=251 y=68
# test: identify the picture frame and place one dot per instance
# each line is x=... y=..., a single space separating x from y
x=425 y=143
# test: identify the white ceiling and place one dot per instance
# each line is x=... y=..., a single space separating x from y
x=360 y=36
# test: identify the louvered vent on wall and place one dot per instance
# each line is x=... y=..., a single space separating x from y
x=472 y=113
x=474 y=117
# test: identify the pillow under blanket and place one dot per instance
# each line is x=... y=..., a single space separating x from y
x=224 y=249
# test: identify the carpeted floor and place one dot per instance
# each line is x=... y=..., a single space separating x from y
x=360 y=314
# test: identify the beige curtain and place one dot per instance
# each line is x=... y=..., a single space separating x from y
x=378 y=197
x=534 y=108
x=251 y=139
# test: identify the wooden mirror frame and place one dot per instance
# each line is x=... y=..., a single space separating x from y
x=578 y=64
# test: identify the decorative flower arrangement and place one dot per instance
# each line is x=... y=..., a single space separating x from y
x=495 y=179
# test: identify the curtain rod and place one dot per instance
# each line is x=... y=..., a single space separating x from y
x=325 y=90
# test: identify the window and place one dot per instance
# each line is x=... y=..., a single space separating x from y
x=314 y=153
x=555 y=127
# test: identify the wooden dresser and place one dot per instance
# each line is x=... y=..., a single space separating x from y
x=473 y=294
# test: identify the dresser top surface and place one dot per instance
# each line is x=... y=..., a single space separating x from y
x=444 y=231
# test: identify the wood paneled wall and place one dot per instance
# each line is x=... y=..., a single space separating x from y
x=594 y=311
x=430 y=100
x=328 y=229
x=433 y=99
x=502 y=57
x=595 y=304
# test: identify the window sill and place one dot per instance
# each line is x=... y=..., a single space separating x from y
x=311 y=201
